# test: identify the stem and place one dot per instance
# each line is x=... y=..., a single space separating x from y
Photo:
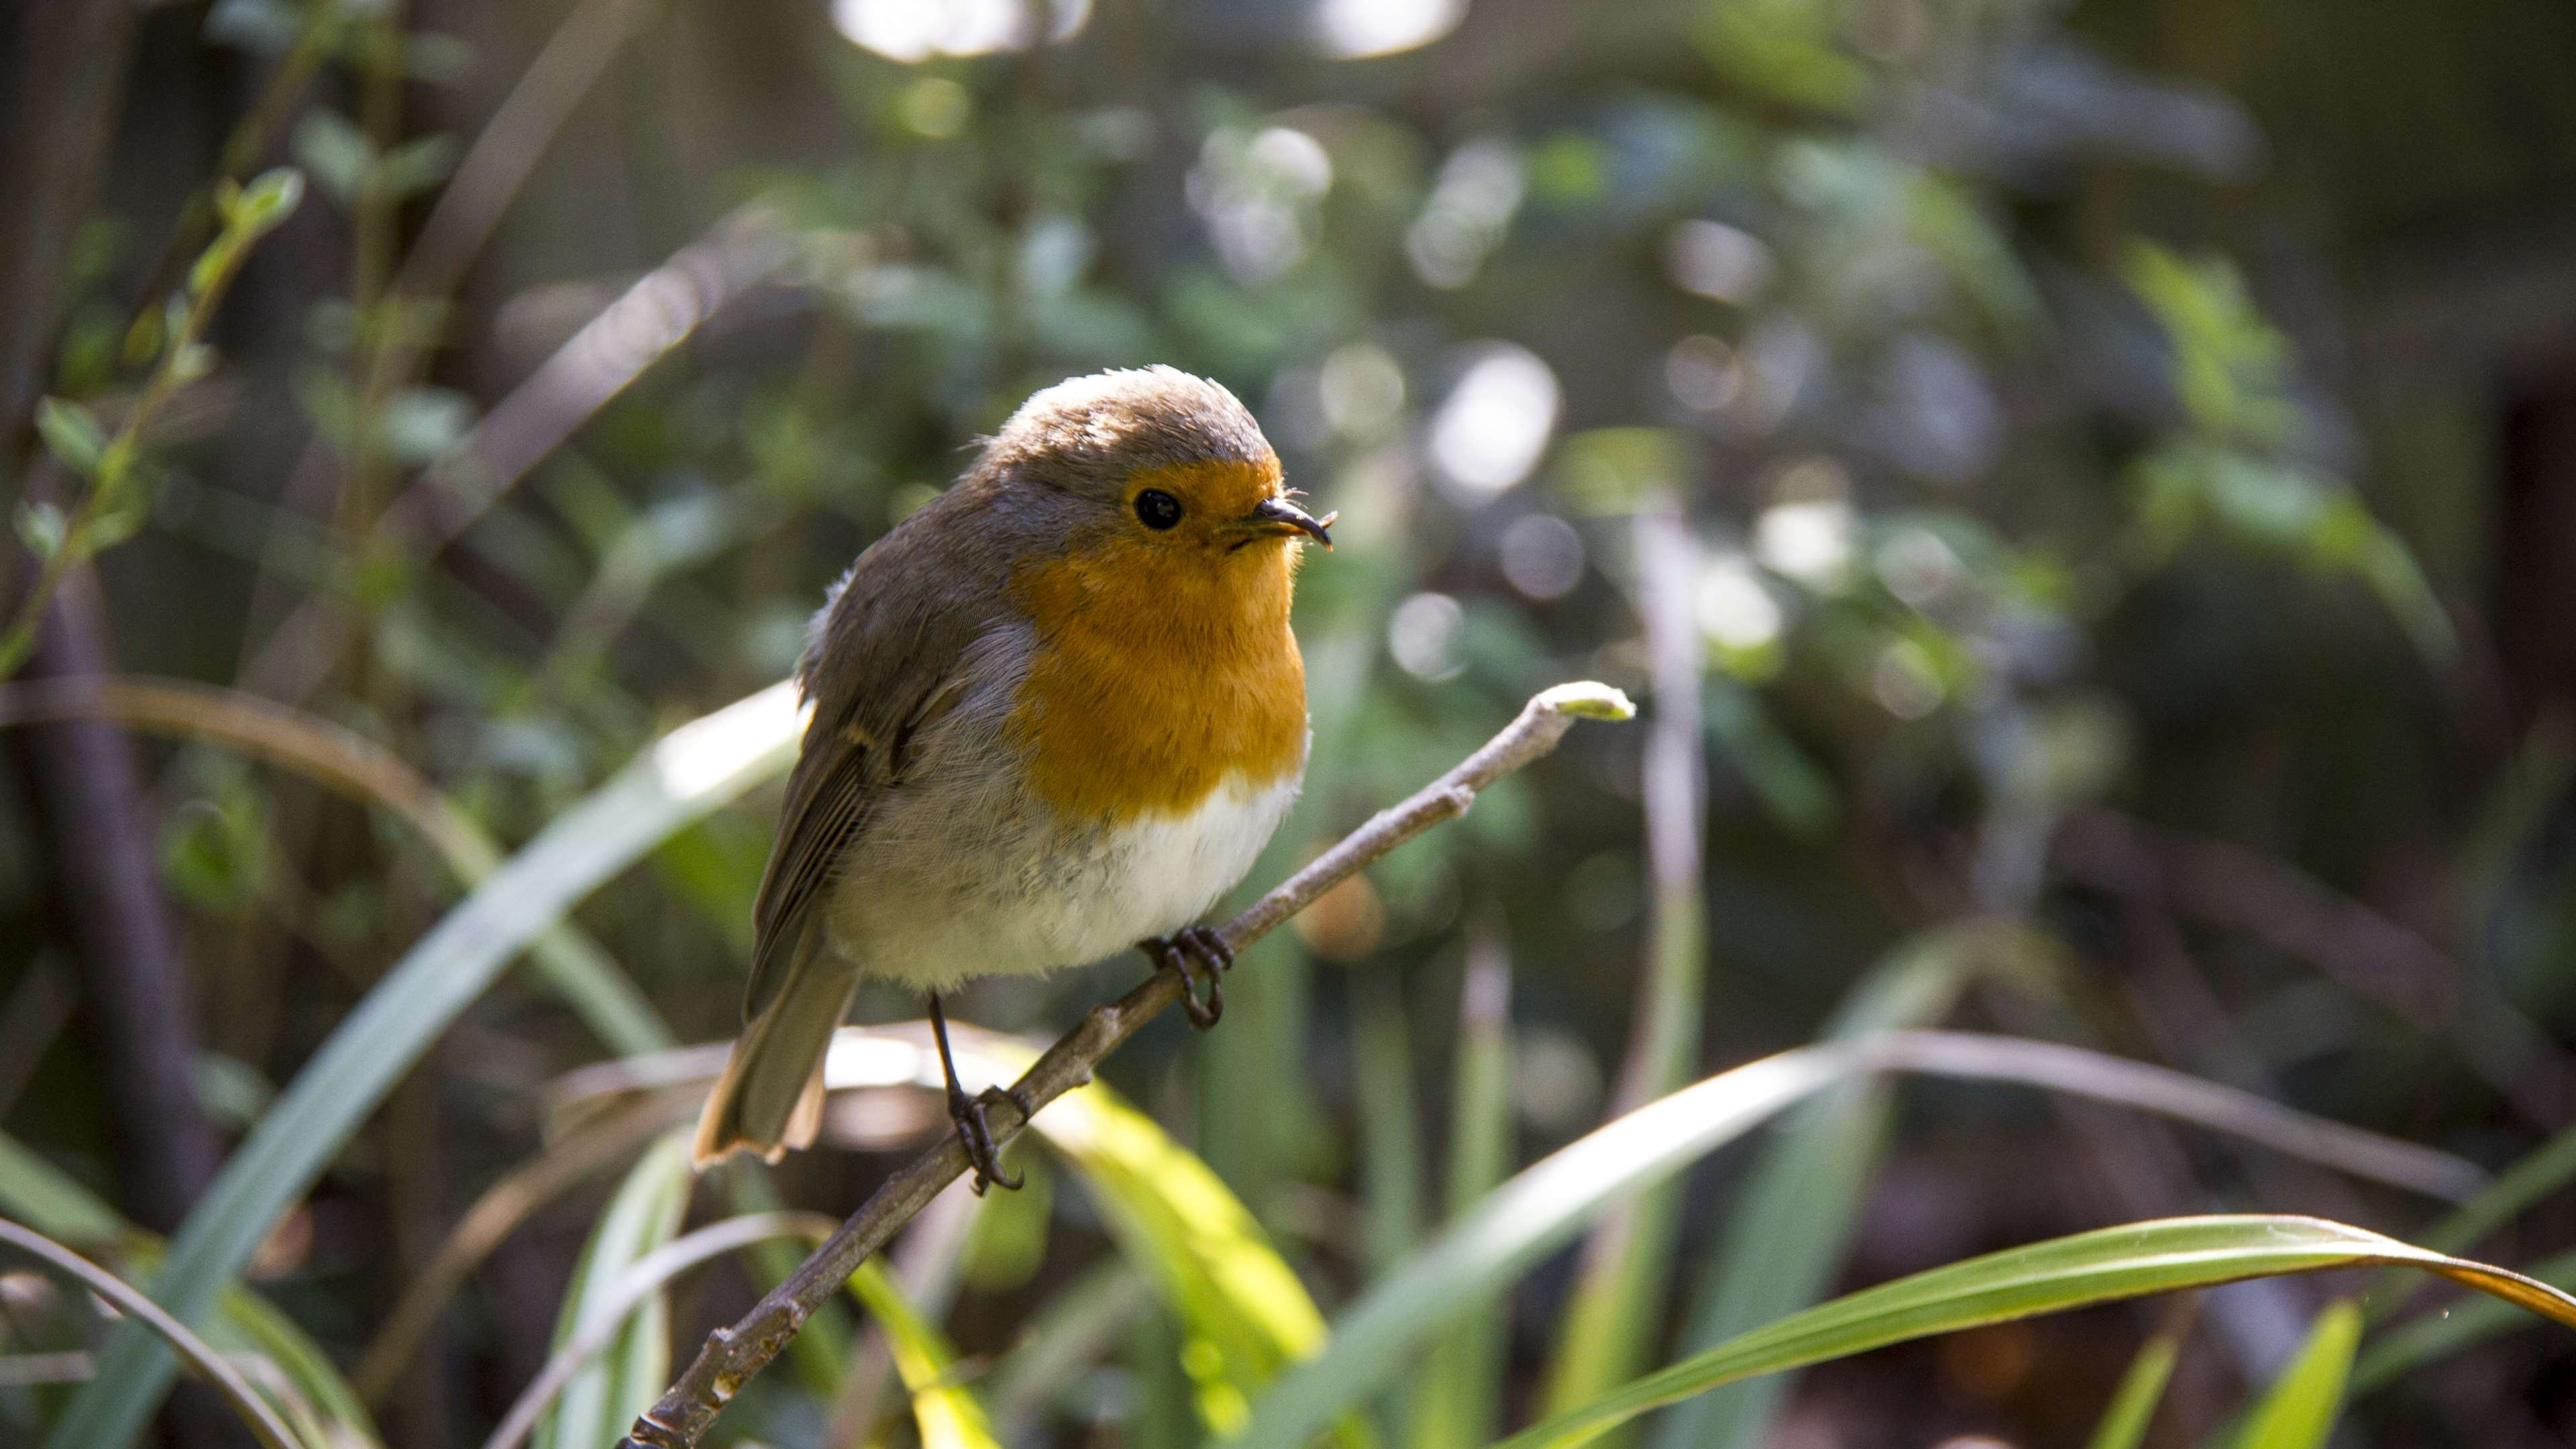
x=116 y=464
x=734 y=1354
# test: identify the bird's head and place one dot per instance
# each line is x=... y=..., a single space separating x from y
x=1156 y=473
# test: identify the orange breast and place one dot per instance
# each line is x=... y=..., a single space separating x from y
x=1154 y=678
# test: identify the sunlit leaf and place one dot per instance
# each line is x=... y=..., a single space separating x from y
x=948 y=1415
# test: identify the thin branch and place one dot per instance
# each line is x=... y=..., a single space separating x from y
x=732 y=1355
x=128 y=1300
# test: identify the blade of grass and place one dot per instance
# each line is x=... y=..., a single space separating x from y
x=1460 y=1399
x=1621 y=1290
x=2300 y=1409
x=1244 y=1314
x=2096 y=1267
x=641 y=1282
x=1390 y=1136
x=1075 y=1330
x=2402 y=1350
x=947 y=1414
x=1792 y=1224
x=642 y=1216
x=688 y=773
x=245 y=1400
x=2531 y=1178
x=56 y=1204
x=1548 y=1203
x=2142 y=1389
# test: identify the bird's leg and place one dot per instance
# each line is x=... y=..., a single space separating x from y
x=1202 y=957
x=968 y=1112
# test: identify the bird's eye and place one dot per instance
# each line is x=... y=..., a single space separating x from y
x=1157 y=509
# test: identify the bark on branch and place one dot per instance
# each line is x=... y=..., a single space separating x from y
x=733 y=1354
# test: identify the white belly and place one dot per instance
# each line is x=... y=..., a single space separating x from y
x=1036 y=897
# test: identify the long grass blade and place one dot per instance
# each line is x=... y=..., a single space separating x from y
x=2142 y=1390
x=1459 y=1403
x=2300 y=1409
x=2404 y=1349
x=641 y=1282
x=56 y=1204
x=642 y=1216
x=1625 y=1280
x=946 y=1413
x=1793 y=1223
x=2096 y=1267
x=245 y=1400
x=690 y=772
x=1548 y=1203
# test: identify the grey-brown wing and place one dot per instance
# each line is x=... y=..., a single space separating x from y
x=845 y=767
x=889 y=658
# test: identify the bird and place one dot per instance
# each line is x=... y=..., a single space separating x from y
x=1058 y=710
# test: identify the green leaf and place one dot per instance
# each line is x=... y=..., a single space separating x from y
x=416 y=165
x=606 y=1393
x=265 y=204
x=337 y=153
x=1460 y=1397
x=2097 y=1267
x=1793 y=1222
x=43 y=528
x=71 y=434
x=948 y=1415
x=2300 y=1410
x=1522 y=1221
x=2142 y=1388
x=688 y=773
x=1244 y=1314
x=56 y=1204
x=2403 y=1350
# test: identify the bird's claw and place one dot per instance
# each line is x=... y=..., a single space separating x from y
x=1201 y=957
x=968 y=1113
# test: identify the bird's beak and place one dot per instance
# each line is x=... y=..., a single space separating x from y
x=1278 y=516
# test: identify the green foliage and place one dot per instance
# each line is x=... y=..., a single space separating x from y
x=2300 y=1408
x=2124 y=1424
x=690 y=772
x=606 y=1393
x=2097 y=1267
x=1991 y=503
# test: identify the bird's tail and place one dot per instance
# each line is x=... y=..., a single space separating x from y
x=770 y=1096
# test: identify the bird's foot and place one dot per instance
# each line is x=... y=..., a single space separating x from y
x=968 y=1113
x=1201 y=957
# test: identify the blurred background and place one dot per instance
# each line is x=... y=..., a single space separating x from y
x=2084 y=493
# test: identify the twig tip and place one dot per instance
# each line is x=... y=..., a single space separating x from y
x=1589 y=699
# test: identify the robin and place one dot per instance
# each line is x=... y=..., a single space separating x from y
x=1057 y=711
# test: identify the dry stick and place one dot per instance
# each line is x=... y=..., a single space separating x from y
x=732 y=1355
